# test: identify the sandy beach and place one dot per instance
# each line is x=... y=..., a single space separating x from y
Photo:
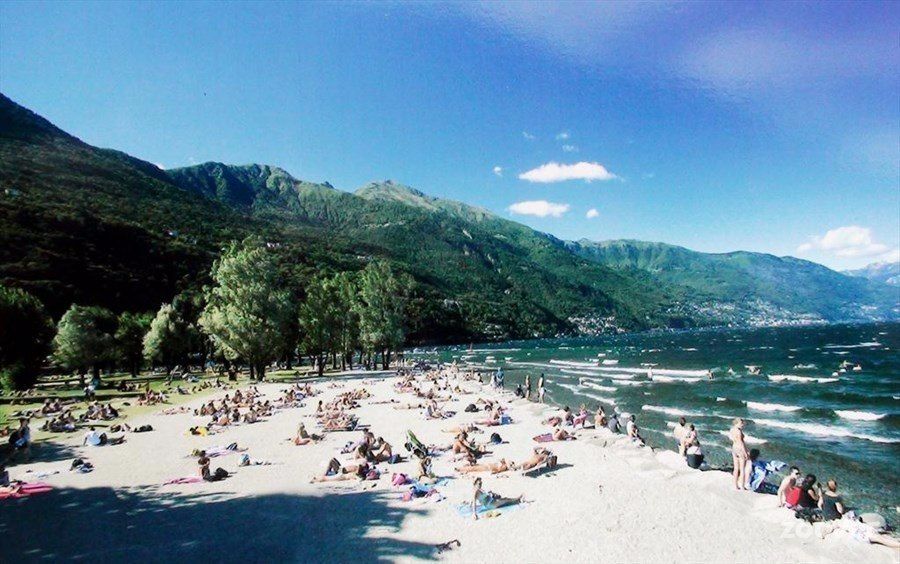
x=607 y=500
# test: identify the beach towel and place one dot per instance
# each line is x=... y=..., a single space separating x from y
x=465 y=510
x=761 y=469
x=27 y=489
x=184 y=480
x=545 y=438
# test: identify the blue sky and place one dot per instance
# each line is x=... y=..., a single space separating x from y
x=770 y=127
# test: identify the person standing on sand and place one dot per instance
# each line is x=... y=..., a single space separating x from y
x=541 y=389
x=679 y=432
x=528 y=387
x=739 y=454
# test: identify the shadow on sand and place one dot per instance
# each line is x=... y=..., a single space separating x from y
x=150 y=524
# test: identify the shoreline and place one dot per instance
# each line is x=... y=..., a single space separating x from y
x=650 y=505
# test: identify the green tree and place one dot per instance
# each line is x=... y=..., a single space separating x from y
x=347 y=318
x=318 y=319
x=132 y=328
x=84 y=339
x=381 y=305
x=168 y=341
x=25 y=334
x=248 y=312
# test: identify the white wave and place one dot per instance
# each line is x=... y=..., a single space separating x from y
x=686 y=379
x=610 y=362
x=823 y=430
x=749 y=439
x=719 y=398
x=601 y=399
x=795 y=378
x=691 y=349
x=598 y=387
x=759 y=406
x=671 y=411
x=805 y=367
x=867 y=344
x=858 y=415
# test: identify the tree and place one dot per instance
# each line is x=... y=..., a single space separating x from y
x=25 y=334
x=130 y=339
x=347 y=317
x=318 y=319
x=248 y=312
x=168 y=341
x=84 y=338
x=380 y=306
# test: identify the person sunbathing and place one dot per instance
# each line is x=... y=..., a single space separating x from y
x=335 y=472
x=381 y=450
x=541 y=456
x=490 y=500
x=492 y=467
x=560 y=434
x=304 y=438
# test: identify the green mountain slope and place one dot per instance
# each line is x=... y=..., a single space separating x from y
x=77 y=222
x=501 y=277
x=758 y=284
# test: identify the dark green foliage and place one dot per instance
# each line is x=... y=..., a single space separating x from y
x=25 y=334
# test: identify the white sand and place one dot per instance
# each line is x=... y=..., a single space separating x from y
x=651 y=507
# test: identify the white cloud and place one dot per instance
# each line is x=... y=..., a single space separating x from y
x=498 y=170
x=562 y=136
x=159 y=166
x=528 y=136
x=592 y=213
x=570 y=148
x=539 y=208
x=556 y=172
x=849 y=241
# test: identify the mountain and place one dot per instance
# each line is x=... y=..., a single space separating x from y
x=500 y=277
x=753 y=287
x=99 y=227
x=886 y=272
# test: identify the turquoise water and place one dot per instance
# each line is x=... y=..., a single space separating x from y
x=802 y=407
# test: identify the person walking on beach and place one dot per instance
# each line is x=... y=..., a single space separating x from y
x=739 y=454
x=528 y=387
x=541 y=389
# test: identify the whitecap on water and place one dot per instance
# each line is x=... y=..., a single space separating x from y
x=759 y=406
x=795 y=378
x=858 y=415
x=818 y=430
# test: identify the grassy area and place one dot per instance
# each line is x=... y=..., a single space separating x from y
x=118 y=399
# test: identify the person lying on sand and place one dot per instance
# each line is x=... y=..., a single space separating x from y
x=93 y=438
x=492 y=467
x=489 y=500
x=335 y=472
x=462 y=445
x=468 y=428
x=560 y=434
x=304 y=438
x=541 y=456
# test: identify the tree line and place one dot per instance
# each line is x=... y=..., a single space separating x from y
x=249 y=315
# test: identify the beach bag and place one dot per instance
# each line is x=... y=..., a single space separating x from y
x=505 y=419
x=220 y=474
x=143 y=429
x=495 y=438
x=471 y=408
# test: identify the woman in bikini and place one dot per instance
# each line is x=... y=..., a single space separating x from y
x=739 y=454
x=490 y=500
x=493 y=468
